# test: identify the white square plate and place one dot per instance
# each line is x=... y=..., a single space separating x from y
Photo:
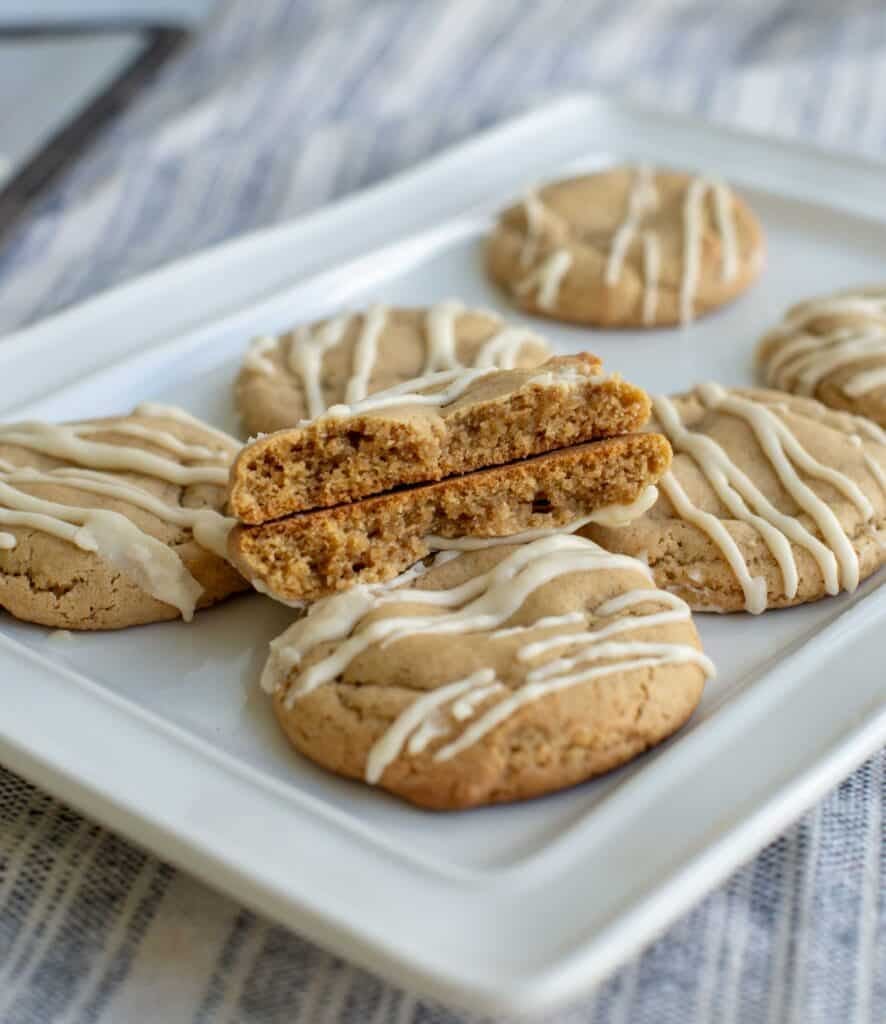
x=161 y=733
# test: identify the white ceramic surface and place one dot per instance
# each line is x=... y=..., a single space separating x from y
x=161 y=732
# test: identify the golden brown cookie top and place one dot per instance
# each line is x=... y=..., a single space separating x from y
x=499 y=674
x=832 y=348
x=142 y=495
x=630 y=246
x=771 y=500
x=297 y=375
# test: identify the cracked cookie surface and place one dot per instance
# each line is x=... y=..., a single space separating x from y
x=771 y=500
x=113 y=523
x=297 y=375
x=500 y=674
x=626 y=247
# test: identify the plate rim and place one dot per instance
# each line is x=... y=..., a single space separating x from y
x=551 y=984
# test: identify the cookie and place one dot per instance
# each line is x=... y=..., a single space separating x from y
x=500 y=674
x=626 y=247
x=114 y=522
x=771 y=500
x=299 y=374
x=307 y=556
x=437 y=426
x=832 y=349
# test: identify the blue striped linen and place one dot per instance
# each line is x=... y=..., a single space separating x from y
x=276 y=108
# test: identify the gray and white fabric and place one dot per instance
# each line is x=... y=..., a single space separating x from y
x=279 y=106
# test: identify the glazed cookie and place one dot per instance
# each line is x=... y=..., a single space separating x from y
x=626 y=247
x=307 y=556
x=298 y=375
x=115 y=522
x=833 y=349
x=500 y=674
x=771 y=500
x=449 y=422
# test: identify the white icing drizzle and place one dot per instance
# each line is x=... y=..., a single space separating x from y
x=365 y=353
x=876 y=470
x=725 y=219
x=634 y=597
x=149 y=562
x=478 y=605
x=389 y=745
x=754 y=587
x=801 y=363
x=484 y=602
x=440 y=331
x=642 y=197
x=445 y=387
x=547 y=278
x=154 y=566
x=548 y=622
x=866 y=381
x=565 y=377
x=210 y=528
x=834 y=553
x=310 y=344
x=466 y=705
x=505 y=346
x=797 y=359
x=870 y=430
x=538 y=686
x=283 y=659
x=159 y=438
x=157 y=410
x=679 y=612
x=435 y=725
x=411 y=392
x=63 y=442
x=734 y=488
x=846 y=422
x=306 y=351
x=607 y=515
x=651 y=273
x=869 y=305
x=766 y=427
x=691 y=245
x=256 y=358
x=7 y=541
x=622 y=515
x=534 y=209
x=260 y=587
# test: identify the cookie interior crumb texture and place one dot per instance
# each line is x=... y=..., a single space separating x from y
x=296 y=375
x=626 y=247
x=431 y=429
x=772 y=500
x=116 y=522
x=311 y=554
x=505 y=673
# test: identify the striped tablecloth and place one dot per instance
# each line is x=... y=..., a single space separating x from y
x=279 y=106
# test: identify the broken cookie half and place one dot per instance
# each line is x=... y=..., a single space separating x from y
x=359 y=496
x=431 y=428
